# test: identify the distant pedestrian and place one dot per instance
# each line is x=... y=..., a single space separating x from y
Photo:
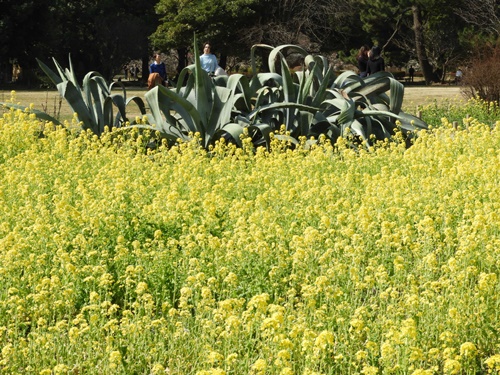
x=375 y=61
x=458 y=76
x=125 y=72
x=157 y=72
x=411 y=72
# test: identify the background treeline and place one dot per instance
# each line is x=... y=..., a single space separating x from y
x=435 y=35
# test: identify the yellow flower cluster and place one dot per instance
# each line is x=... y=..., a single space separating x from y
x=115 y=259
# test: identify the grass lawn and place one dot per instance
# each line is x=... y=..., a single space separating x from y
x=50 y=102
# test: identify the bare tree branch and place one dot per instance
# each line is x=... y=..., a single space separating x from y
x=484 y=13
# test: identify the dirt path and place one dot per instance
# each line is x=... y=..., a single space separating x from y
x=421 y=95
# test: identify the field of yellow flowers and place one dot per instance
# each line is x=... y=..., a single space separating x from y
x=177 y=261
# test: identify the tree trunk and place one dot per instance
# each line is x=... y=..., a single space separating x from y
x=145 y=69
x=183 y=59
x=420 y=45
x=223 y=61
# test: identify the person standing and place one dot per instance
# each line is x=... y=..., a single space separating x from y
x=375 y=61
x=411 y=72
x=458 y=76
x=208 y=60
x=157 y=72
x=362 y=59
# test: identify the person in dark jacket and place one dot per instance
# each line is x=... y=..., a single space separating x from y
x=375 y=61
x=157 y=72
x=362 y=59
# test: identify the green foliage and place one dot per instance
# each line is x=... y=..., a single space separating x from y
x=216 y=20
x=100 y=36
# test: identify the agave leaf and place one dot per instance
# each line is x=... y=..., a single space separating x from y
x=253 y=58
x=345 y=108
x=74 y=98
x=234 y=130
x=309 y=62
x=182 y=78
x=265 y=79
x=221 y=80
x=62 y=73
x=139 y=102
x=347 y=112
x=71 y=73
x=370 y=112
x=49 y=72
x=162 y=100
x=305 y=88
x=374 y=87
x=321 y=92
x=277 y=53
x=289 y=95
x=266 y=95
x=121 y=87
x=305 y=120
x=107 y=115
x=282 y=105
x=239 y=83
x=39 y=114
x=397 y=91
x=322 y=61
x=346 y=78
x=264 y=130
x=120 y=103
x=220 y=113
x=411 y=123
x=94 y=104
x=357 y=128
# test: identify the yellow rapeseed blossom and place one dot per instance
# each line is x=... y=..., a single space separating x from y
x=493 y=363
x=468 y=349
x=370 y=370
x=259 y=366
x=422 y=372
x=294 y=260
x=451 y=367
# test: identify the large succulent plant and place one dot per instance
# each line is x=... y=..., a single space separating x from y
x=308 y=102
x=311 y=101
x=93 y=102
x=199 y=107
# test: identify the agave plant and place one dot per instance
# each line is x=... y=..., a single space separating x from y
x=201 y=106
x=279 y=99
x=361 y=106
x=311 y=102
x=94 y=101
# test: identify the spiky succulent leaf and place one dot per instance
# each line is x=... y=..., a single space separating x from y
x=39 y=114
